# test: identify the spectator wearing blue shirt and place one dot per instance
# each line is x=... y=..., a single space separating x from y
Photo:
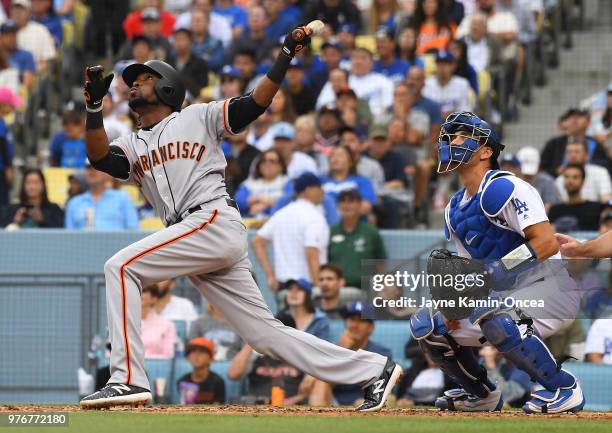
x=235 y=14
x=6 y=163
x=388 y=63
x=383 y=13
x=300 y=307
x=342 y=177
x=68 y=148
x=21 y=60
x=43 y=13
x=334 y=13
x=204 y=45
x=293 y=12
x=100 y=208
x=255 y=37
x=359 y=326
x=279 y=24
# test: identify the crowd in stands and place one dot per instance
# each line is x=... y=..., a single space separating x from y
x=346 y=148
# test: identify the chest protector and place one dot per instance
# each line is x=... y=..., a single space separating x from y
x=476 y=223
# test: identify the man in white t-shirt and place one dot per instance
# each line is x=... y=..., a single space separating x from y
x=448 y=90
x=173 y=307
x=597 y=185
x=32 y=36
x=598 y=347
x=299 y=235
x=371 y=86
x=297 y=162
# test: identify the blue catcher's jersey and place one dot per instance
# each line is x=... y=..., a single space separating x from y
x=477 y=224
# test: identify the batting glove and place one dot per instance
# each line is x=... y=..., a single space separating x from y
x=295 y=41
x=96 y=87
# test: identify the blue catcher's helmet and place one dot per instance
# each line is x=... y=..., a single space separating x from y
x=477 y=133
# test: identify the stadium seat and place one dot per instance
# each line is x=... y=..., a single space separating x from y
x=394 y=334
x=152 y=223
x=159 y=369
x=232 y=388
x=57 y=184
x=181 y=329
x=366 y=41
x=317 y=42
x=596 y=380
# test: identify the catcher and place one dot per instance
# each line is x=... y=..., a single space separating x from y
x=500 y=229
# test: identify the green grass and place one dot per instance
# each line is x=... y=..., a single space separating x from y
x=109 y=422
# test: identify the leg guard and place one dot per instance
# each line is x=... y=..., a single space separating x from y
x=529 y=354
x=458 y=362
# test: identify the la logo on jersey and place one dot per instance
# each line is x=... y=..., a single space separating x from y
x=168 y=152
x=521 y=207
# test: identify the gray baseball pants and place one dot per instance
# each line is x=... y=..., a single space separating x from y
x=210 y=246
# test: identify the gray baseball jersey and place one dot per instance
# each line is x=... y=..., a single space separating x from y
x=179 y=165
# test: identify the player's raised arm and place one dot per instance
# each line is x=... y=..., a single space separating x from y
x=96 y=87
x=103 y=157
x=246 y=108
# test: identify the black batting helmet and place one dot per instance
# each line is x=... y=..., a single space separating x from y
x=169 y=89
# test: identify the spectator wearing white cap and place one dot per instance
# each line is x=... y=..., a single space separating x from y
x=529 y=158
x=284 y=141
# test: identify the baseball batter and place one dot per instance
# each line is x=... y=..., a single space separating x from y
x=176 y=159
x=499 y=220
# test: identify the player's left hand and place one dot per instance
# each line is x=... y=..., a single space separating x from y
x=296 y=40
x=96 y=87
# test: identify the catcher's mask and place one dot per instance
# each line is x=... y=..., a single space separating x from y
x=477 y=133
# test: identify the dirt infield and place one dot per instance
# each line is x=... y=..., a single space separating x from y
x=307 y=411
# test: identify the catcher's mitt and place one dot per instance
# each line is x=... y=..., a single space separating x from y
x=447 y=281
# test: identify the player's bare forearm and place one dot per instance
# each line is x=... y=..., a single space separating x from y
x=541 y=238
x=312 y=256
x=97 y=143
x=264 y=91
